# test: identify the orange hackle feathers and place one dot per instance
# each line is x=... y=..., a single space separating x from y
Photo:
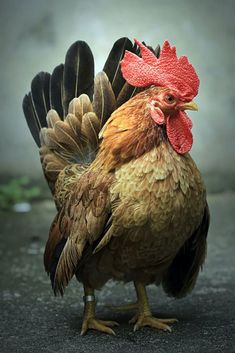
x=128 y=134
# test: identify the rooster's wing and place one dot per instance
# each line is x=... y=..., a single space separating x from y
x=182 y=274
x=79 y=225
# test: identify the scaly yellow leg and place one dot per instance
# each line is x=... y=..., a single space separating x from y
x=144 y=316
x=89 y=320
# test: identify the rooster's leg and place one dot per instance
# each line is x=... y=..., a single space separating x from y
x=89 y=320
x=144 y=316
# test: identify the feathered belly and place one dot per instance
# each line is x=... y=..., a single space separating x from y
x=158 y=202
x=144 y=252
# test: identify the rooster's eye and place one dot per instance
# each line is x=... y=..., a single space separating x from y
x=169 y=98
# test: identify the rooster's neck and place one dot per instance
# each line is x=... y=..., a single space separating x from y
x=130 y=132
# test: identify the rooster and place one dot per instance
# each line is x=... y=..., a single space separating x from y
x=115 y=151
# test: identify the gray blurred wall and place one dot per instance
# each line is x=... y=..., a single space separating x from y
x=36 y=34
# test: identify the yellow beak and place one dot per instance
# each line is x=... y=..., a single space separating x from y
x=188 y=106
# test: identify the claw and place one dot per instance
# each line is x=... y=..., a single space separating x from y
x=168 y=328
x=109 y=323
x=134 y=319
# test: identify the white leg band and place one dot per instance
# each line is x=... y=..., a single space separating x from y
x=89 y=298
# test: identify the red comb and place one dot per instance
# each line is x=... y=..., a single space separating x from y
x=167 y=71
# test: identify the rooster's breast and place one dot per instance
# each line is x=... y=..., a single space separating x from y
x=158 y=201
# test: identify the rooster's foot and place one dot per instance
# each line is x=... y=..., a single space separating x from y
x=144 y=317
x=99 y=325
x=161 y=324
x=89 y=320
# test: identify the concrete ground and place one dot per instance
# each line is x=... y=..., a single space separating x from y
x=33 y=320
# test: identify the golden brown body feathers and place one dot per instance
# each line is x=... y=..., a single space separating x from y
x=129 y=213
x=129 y=207
x=131 y=202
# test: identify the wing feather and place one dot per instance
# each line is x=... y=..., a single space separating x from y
x=79 y=224
x=182 y=274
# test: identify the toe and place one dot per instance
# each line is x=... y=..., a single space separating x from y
x=134 y=319
x=160 y=324
x=109 y=323
x=169 y=321
x=97 y=325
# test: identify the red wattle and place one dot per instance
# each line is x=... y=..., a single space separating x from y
x=178 y=130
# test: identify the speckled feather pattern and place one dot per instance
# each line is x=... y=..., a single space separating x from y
x=127 y=214
x=157 y=203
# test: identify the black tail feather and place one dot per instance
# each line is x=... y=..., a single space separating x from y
x=76 y=77
x=126 y=93
x=57 y=90
x=78 y=73
x=157 y=51
x=31 y=117
x=40 y=96
x=54 y=261
x=112 y=64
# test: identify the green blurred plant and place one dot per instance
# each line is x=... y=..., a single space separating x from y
x=17 y=190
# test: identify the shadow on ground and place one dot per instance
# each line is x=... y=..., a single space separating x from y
x=33 y=320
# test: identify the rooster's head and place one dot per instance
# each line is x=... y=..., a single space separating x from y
x=173 y=84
